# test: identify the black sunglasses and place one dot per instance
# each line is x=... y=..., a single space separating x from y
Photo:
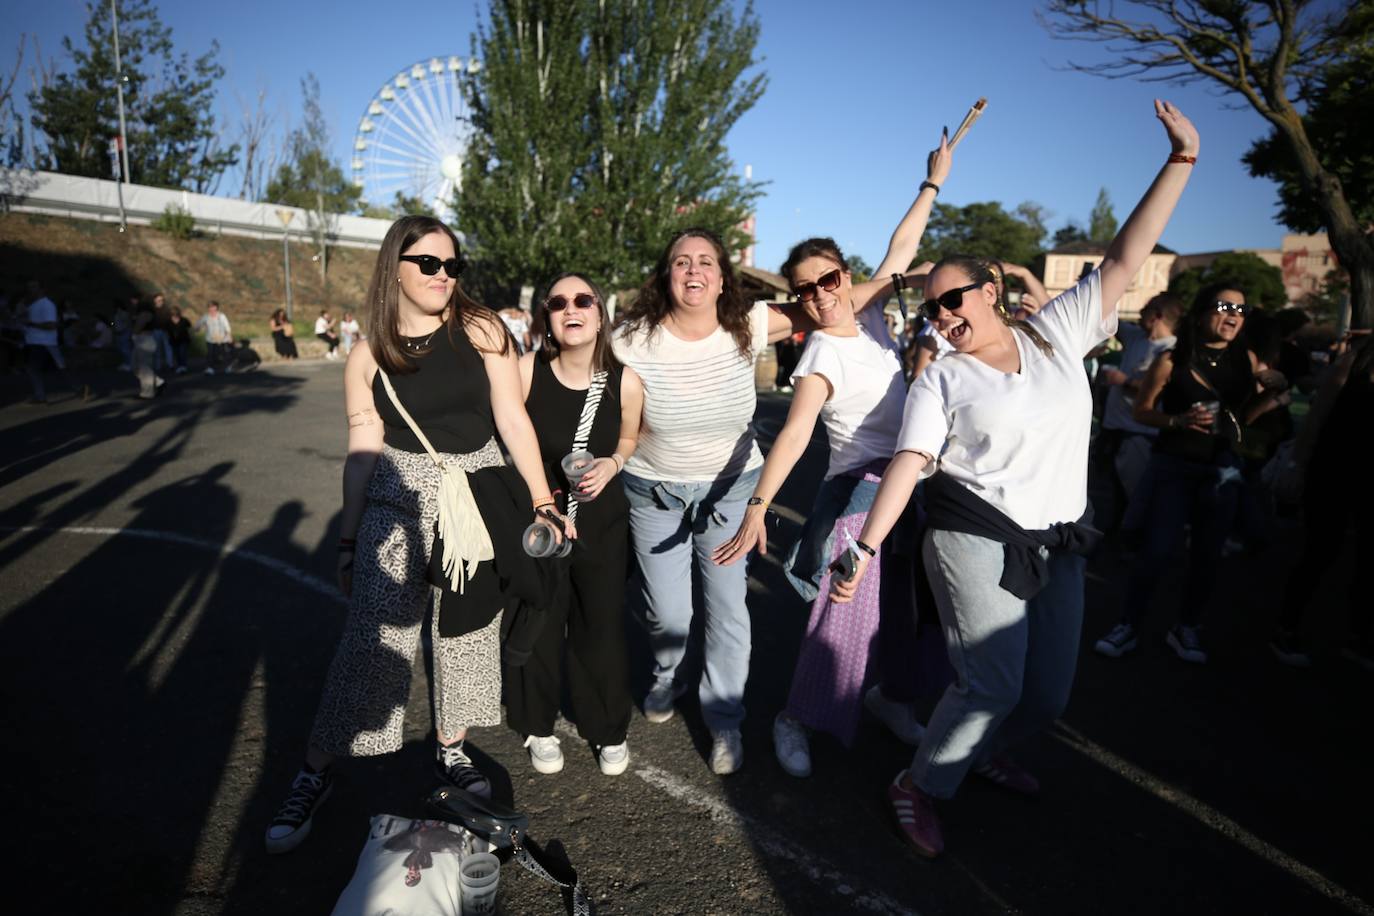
x=1238 y=308
x=429 y=265
x=950 y=299
x=828 y=281
x=581 y=300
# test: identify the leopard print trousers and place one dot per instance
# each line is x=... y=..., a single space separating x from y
x=362 y=710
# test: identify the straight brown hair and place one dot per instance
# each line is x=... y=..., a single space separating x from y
x=383 y=298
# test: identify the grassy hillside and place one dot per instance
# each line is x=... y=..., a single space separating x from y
x=93 y=264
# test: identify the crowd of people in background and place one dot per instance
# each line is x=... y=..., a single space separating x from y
x=149 y=338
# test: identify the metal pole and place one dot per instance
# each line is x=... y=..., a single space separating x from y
x=286 y=263
x=119 y=92
x=119 y=188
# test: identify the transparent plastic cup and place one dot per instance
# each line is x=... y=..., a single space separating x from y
x=1212 y=407
x=575 y=467
x=478 y=877
x=540 y=540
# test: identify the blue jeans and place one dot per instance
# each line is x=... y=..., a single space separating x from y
x=1184 y=492
x=1013 y=660
x=671 y=525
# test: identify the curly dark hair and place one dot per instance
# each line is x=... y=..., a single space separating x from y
x=654 y=301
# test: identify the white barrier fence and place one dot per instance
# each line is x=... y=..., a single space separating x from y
x=95 y=198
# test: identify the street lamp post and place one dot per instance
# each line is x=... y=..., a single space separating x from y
x=119 y=94
x=286 y=216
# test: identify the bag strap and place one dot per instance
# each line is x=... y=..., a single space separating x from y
x=405 y=415
x=534 y=860
x=584 y=425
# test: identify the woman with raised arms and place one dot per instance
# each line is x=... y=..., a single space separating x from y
x=1005 y=420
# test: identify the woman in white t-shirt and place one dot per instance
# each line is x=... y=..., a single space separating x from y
x=350 y=332
x=1006 y=419
x=692 y=337
x=850 y=378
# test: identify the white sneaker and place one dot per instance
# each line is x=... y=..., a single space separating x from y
x=899 y=718
x=545 y=754
x=792 y=746
x=727 y=752
x=613 y=758
x=658 y=704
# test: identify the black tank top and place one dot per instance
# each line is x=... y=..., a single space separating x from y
x=1233 y=381
x=448 y=396
x=555 y=410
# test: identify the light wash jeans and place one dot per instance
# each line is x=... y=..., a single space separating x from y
x=671 y=526
x=1013 y=660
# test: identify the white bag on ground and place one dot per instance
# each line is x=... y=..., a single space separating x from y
x=409 y=867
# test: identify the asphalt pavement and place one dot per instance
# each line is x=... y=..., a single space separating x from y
x=167 y=616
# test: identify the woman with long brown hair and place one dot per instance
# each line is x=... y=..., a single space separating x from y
x=580 y=397
x=437 y=362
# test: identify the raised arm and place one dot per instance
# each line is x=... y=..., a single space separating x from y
x=1137 y=238
x=811 y=394
x=906 y=238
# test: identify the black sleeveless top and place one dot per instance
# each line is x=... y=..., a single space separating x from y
x=555 y=410
x=449 y=397
x=1234 y=384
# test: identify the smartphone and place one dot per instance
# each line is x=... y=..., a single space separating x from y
x=845 y=565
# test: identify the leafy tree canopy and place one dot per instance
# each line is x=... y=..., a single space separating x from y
x=1102 y=224
x=168 y=102
x=984 y=230
x=599 y=130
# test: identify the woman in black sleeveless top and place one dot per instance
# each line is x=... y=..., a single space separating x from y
x=587 y=613
x=1194 y=474
x=453 y=369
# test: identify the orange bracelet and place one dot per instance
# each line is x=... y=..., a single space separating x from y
x=1179 y=157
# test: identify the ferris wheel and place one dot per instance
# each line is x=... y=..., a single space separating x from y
x=413 y=136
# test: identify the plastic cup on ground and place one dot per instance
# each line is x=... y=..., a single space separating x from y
x=477 y=880
x=575 y=466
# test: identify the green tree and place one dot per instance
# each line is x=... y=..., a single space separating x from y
x=599 y=130
x=1274 y=55
x=1102 y=223
x=861 y=269
x=311 y=179
x=173 y=139
x=1069 y=235
x=1337 y=121
x=1261 y=282
x=984 y=230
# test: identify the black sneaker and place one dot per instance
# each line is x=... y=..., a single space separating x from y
x=1186 y=642
x=292 y=824
x=1287 y=648
x=453 y=764
x=1118 y=642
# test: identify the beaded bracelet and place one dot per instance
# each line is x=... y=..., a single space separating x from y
x=1180 y=157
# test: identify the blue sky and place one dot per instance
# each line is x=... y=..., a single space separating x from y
x=857 y=94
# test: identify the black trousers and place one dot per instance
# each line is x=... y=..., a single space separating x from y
x=585 y=622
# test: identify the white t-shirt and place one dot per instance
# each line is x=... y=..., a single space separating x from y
x=864 y=413
x=698 y=402
x=41 y=311
x=1136 y=359
x=321 y=325
x=1019 y=440
x=350 y=328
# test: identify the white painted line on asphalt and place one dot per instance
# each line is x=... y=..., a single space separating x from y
x=1210 y=817
x=223 y=550
x=769 y=842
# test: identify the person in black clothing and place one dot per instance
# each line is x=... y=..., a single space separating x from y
x=283 y=339
x=1330 y=465
x=441 y=363
x=1199 y=395
x=179 y=331
x=561 y=380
